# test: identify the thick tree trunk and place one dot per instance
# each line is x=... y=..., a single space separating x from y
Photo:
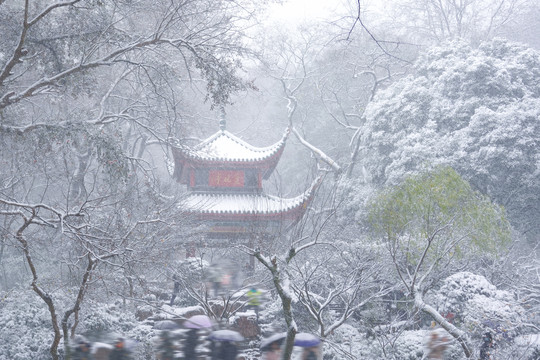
x=76 y=307
x=286 y=301
x=43 y=295
x=291 y=327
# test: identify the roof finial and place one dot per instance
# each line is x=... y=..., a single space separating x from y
x=222 y=121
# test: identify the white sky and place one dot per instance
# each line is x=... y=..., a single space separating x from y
x=298 y=10
x=295 y=12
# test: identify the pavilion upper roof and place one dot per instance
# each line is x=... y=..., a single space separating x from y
x=226 y=147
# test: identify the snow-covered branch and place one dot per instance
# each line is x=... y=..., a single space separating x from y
x=458 y=334
x=318 y=152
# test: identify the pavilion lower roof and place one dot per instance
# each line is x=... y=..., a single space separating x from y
x=238 y=205
x=248 y=204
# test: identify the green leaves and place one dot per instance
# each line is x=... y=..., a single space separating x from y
x=440 y=211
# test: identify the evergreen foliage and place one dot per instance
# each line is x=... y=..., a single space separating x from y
x=475 y=109
x=441 y=207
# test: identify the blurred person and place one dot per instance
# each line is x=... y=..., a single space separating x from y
x=82 y=351
x=119 y=352
x=214 y=350
x=488 y=343
x=228 y=351
x=436 y=345
x=274 y=353
x=226 y=281
x=254 y=300
x=309 y=353
x=215 y=279
x=190 y=344
x=235 y=279
x=166 y=346
x=176 y=289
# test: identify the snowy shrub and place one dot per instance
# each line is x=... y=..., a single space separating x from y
x=475 y=109
x=271 y=316
x=348 y=342
x=104 y=318
x=526 y=347
x=410 y=345
x=479 y=305
x=26 y=330
x=104 y=322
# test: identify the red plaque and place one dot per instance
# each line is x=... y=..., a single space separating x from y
x=226 y=178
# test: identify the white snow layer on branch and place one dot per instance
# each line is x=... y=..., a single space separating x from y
x=318 y=152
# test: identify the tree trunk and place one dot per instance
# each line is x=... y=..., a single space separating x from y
x=43 y=295
x=456 y=333
x=76 y=307
x=286 y=301
x=291 y=327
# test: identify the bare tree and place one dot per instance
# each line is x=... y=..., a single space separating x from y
x=195 y=277
x=77 y=81
x=439 y=20
x=326 y=84
x=335 y=281
x=301 y=262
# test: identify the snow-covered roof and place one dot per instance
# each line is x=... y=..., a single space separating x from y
x=224 y=146
x=246 y=204
x=240 y=203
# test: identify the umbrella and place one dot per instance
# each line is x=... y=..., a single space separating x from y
x=276 y=338
x=226 y=335
x=166 y=325
x=101 y=350
x=198 y=322
x=306 y=340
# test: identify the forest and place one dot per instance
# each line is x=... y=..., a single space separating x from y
x=418 y=119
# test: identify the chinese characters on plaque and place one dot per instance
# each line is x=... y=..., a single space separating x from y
x=226 y=178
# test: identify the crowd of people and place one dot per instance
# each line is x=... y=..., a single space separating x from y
x=186 y=344
x=273 y=352
x=83 y=350
x=192 y=342
x=168 y=347
x=188 y=347
x=195 y=343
